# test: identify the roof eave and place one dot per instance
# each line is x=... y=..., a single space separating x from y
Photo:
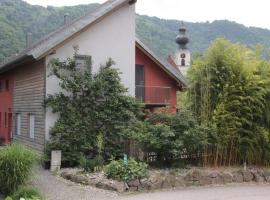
x=16 y=62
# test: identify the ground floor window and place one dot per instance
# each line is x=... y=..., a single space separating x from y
x=32 y=126
x=18 y=124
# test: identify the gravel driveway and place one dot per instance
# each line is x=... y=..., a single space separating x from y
x=56 y=188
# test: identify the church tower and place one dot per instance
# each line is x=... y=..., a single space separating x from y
x=182 y=56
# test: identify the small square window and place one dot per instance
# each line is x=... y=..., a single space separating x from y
x=82 y=61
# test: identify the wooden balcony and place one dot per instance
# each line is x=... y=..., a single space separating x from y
x=153 y=95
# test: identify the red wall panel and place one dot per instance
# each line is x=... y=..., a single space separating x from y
x=6 y=106
x=157 y=77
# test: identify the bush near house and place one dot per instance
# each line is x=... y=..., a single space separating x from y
x=131 y=170
x=16 y=162
x=91 y=164
x=172 y=137
x=89 y=106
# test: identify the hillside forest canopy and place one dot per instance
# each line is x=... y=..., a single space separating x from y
x=18 y=17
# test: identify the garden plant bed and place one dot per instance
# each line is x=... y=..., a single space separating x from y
x=168 y=179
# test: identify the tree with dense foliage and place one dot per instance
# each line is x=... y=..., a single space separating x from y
x=229 y=89
x=91 y=107
x=172 y=137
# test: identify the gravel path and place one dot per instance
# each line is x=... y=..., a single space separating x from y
x=56 y=188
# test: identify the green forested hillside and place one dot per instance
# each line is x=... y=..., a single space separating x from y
x=18 y=17
x=159 y=34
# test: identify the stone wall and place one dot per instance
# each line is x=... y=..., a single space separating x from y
x=167 y=179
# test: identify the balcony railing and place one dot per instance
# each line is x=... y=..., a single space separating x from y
x=153 y=95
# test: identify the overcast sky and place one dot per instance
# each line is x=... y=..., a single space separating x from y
x=247 y=12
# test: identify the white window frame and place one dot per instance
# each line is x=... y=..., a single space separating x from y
x=31 y=126
x=18 y=123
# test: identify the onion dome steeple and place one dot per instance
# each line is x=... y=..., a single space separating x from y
x=181 y=39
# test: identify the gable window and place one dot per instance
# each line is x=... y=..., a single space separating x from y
x=18 y=124
x=83 y=62
x=31 y=126
x=7 y=85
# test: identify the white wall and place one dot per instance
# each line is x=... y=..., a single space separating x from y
x=112 y=37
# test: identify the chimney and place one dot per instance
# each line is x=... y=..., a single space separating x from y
x=66 y=19
x=29 y=39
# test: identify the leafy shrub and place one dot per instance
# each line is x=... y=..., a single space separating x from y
x=91 y=165
x=16 y=164
x=170 y=135
x=93 y=110
x=132 y=170
x=26 y=192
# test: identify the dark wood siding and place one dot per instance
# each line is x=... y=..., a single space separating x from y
x=29 y=94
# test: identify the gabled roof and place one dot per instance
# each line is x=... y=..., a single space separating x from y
x=167 y=67
x=47 y=44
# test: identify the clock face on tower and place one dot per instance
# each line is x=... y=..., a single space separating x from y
x=183 y=55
